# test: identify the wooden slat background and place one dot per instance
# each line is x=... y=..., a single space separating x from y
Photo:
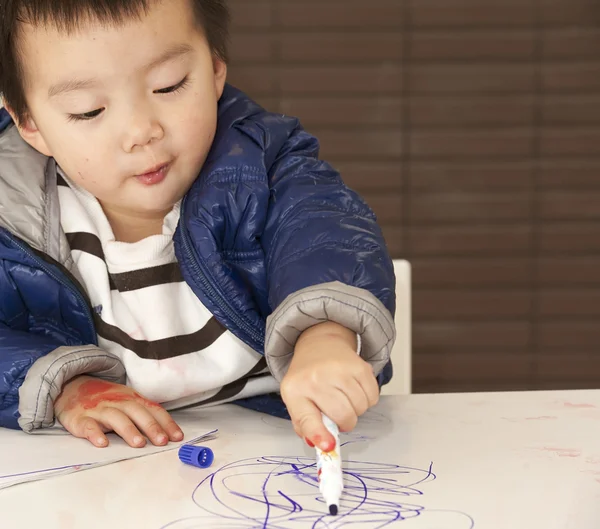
x=472 y=127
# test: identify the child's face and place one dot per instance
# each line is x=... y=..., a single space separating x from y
x=112 y=103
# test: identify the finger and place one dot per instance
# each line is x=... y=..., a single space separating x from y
x=308 y=423
x=369 y=385
x=339 y=409
x=299 y=434
x=88 y=428
x=146 y=422
x=356 y=395
x=166 y=422
x=122 y=425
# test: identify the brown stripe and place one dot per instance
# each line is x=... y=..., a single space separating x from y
x=147 y=277
x=165 y=348
x=90 y=244
x=60 y=181
x=226 y=392
x=258 y=368
x=86 y=242
x=126 y=281
x=232 y=389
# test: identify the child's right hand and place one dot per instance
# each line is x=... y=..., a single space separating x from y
x=89 y=407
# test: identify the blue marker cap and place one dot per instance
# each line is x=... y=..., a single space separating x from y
x=198 y=456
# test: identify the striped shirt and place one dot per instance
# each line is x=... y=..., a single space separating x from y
x=174 y=351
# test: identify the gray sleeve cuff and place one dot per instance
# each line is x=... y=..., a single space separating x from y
x=46 y=378
x=354 y=308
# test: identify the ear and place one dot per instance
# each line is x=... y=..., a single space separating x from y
x=30 y=133
x=220 y=69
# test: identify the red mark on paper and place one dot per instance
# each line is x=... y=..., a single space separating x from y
x=562 y=452
x=578 y=405
x=540 y=418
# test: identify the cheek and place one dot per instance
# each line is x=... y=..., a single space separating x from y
x=196 y=134
x=86 y=167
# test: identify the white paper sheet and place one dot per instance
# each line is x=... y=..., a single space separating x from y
x=26 y=458
x=470 y=461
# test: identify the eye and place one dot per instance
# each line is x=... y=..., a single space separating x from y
x=86 y=116
x=173 y=89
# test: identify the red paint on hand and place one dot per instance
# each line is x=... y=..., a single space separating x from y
x=91 y=401
x=93 y=392
x=309 y=442
x=91 y=387
x=146 y=402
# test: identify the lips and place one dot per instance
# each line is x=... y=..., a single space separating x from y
x=154 y=176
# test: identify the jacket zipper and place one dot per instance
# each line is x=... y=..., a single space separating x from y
x=212 y=290
x=64 y=282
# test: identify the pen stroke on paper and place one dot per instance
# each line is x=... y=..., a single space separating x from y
x=276 y=492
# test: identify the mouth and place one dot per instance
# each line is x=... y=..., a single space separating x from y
x=154 y=175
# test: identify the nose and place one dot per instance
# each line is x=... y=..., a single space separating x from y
x=141 y=129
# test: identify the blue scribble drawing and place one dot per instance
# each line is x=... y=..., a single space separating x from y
x=257 y=493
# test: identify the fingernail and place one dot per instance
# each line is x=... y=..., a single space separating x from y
x=101 y=441
x=178 y=435
x=309 y=442
x=325 y=446
x=161 y=438
x=137 y=440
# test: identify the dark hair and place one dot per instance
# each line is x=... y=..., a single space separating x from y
x=67 y=15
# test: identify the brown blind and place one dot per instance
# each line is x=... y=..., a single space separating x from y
x=472 y=127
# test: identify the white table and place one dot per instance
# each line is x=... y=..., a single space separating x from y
x=485 y=460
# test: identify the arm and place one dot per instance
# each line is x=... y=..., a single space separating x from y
x=326 y=256
x=18 y=352
x=33 y=370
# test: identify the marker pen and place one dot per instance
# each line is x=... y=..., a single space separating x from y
x=329 y=470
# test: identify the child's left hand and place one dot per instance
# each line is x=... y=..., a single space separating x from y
x=326 y=375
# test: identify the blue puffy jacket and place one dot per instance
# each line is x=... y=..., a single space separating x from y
x=269 y=239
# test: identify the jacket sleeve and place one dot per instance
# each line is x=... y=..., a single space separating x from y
x=325 y=254
x=18 y=351
x=35 y=361
x=33 y=370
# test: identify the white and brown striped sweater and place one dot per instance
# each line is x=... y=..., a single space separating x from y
x=173 y=349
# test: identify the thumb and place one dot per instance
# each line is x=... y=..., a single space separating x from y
x=88 y=428
x=308 y=422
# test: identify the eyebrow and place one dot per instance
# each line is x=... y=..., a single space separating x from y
x=174 y=52
x=72 y=85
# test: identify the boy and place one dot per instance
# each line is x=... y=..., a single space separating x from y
x=163 y=239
